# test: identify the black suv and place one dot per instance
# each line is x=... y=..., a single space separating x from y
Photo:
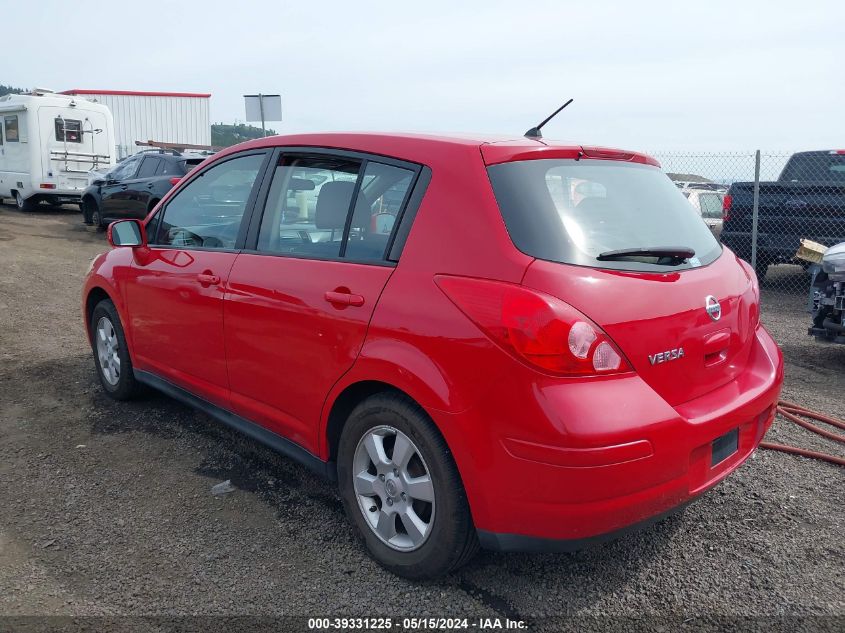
x=135 y=185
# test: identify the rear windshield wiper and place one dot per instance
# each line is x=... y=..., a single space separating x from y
x=675 y=254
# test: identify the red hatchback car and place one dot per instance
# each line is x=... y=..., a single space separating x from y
x=512 y=344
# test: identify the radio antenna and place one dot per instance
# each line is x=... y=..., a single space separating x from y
x=534 y=132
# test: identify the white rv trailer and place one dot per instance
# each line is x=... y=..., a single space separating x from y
x=48 y=143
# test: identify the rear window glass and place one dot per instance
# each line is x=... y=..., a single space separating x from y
x=68 y=130
x=815 y=168
x=189 y=164
x=571 y=212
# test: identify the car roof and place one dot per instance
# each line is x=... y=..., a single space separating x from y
x=415 y=147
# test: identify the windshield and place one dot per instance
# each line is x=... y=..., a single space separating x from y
x=573 y=211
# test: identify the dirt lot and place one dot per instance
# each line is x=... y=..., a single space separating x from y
x=105 y=508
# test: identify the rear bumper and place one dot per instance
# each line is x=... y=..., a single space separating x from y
x=562 y=466
x=522 y=543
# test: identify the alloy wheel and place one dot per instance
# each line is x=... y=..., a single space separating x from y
x=107 y=351
x=394 y=488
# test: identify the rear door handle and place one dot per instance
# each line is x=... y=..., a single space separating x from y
x=208 y=279
x=150 y=186
x=344 y=298
x=124 y=187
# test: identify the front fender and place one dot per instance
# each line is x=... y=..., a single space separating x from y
x=102 y=277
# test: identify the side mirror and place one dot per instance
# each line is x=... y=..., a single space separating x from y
x=127 y=233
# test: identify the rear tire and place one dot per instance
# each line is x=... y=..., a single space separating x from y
x=111 y=353
x=441 y=536
x=24 y=205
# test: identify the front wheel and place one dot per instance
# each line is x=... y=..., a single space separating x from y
x=97 y=216
x=111 y=354
x=401 y=489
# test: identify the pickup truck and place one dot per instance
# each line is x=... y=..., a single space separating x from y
x=806 y=201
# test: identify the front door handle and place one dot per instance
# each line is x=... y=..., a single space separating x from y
x=208 y=279
x=150 y=186
x=344 y=298
x=124 y=187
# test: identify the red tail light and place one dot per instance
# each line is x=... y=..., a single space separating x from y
x=535 y=327
x=47 y=185
x=727 y=201
x=174 y=181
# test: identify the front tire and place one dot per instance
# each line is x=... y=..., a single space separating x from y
x=111 y=354
x=96 y=216
x=402 y=491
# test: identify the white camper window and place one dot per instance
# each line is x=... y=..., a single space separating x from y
x=68 y=130
x=11 y=122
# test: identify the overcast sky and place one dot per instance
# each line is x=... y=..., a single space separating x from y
x=645 y=75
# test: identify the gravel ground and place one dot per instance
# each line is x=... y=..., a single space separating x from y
x=105 y=508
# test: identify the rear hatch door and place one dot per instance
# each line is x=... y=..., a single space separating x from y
x=661 y=322
x=581 y=219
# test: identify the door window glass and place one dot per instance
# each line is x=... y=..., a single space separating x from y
x=381 y=198
x=207 y=213
x=148 y=166
x=11 y=122
x=126 y=169
x=711 y=205
x=307 y=205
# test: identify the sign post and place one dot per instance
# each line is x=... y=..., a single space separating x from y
x=263 y=108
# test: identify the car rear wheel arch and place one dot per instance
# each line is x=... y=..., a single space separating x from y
x=351 y=396
x=346 y=402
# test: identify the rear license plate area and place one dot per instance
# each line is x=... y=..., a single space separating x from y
x=723 y=447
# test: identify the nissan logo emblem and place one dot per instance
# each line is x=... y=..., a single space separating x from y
x=714 y=310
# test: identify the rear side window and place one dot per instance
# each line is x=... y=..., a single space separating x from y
x=68 y=130
x=310 y=210
x=380 y=199
x=307 y=205
x=148 y=167
x=571 y=212
x=207 y=213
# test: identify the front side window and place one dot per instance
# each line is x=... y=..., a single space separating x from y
x=126 y=169
x=11 y=123
x=207 y=212
x=68 y=130
x=307 y=205
x=583 y=212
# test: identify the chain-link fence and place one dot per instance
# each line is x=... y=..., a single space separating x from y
x=777 y=210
